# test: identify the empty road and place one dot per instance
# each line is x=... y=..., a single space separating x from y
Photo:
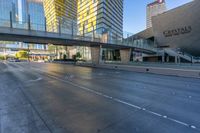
x=57 y=98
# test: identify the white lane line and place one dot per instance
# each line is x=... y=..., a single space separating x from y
x=35 y=80
x=107 y=96
x=125 y=103
x=193 y=127
x=143 y=109
x=154 y=113
x=129 y=104
x=165 y=116
x=177 y=121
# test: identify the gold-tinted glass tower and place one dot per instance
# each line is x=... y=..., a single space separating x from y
x=104 y=16
x=62 y=12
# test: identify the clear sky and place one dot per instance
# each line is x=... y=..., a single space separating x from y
x=135 y=13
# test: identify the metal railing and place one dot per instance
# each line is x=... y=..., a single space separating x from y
x=71 y=33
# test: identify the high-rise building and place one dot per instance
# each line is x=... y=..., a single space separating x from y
x=18 y=10
x=22 y=10
x=61 y=15
x=101 y=16
x=7 y=6
x=35 y=9
x=62 y=12
x=153 y=9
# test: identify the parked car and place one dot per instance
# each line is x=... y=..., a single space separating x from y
x=13 y=60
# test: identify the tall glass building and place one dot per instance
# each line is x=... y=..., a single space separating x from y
x=35 y=9
x=61 y=15
x=63 y=12
x=7 y=6
x=102 y=16
x=36 y=12
x=100 y=19
x=20 y=10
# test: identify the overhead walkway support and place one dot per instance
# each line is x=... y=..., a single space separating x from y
x=125 y=55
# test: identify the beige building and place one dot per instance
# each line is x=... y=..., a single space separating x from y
x=179 y=28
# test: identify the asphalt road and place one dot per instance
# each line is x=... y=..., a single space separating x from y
x=56 y=98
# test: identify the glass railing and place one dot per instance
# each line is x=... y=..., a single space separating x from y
x=71 y=33
x=37 y=27
x=4 y=23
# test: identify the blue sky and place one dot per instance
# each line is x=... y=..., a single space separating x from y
x=135 y=13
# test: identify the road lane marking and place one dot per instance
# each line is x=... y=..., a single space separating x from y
x=177 y=121
x=35 y=80
x=123 y=102
x=193 y=127
x=154 y=113
x=129 y=104
x=165 y=116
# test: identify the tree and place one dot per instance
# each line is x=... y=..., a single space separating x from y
x=22 y=54
x=78 y=55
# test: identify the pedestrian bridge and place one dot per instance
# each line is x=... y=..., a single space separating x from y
x=32 y=33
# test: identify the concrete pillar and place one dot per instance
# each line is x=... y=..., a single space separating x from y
x=125 y=55
x=167 y=59
x=176 y=59
x=96 y=55
x=163 y=58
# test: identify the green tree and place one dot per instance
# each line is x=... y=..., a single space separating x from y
x=22 y=54
x=78 y=55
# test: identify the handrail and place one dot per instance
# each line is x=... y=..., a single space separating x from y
x=69 y=32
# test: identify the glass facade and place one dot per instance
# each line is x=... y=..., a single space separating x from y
x=100 y=19
x=104 y=17
x=61 y=12
x=37 y=18
x=95 y=18
x=36 y=11
x=20 y=10
x=7 y=6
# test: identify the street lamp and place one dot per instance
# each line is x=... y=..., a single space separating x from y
x=28 y=54
x=93 y=31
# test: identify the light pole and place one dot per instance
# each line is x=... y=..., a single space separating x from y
x=28 y=53
x=93 y=31
x=84 y=29
x=11 y=20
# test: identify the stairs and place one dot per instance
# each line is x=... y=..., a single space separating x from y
x=180 y=55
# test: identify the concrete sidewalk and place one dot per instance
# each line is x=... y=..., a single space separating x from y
x=182 y=72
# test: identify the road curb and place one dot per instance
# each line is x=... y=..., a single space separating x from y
x=188 y=73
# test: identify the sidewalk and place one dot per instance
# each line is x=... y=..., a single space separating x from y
x=181 y=71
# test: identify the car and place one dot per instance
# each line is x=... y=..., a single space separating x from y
x=13 y=60
x=41 y=61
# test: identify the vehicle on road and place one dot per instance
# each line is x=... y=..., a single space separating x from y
x=13 y=60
